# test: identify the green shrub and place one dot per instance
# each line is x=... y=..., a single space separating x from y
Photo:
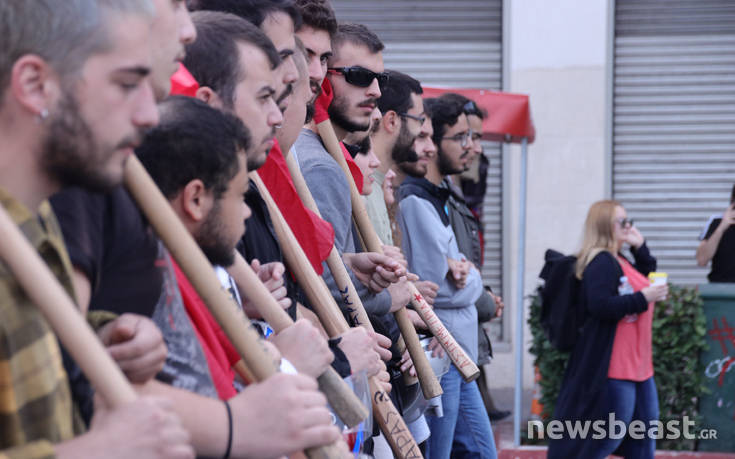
x=679 y=330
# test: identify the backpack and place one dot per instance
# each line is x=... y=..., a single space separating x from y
x=562 y=307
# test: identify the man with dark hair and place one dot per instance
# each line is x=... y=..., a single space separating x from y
x=318 y=28
x=468 y=230
x=197 y=157
x=75 y=98
x=717 y=243
x=278 y=19
x=111 y=248
x=432 y=252
x=233 y=61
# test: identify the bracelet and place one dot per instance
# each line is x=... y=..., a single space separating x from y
x=229 y=435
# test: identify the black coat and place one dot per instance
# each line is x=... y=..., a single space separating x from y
x=583 y=394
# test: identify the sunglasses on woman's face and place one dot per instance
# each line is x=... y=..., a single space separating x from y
x=623 y=222
x=360 y=76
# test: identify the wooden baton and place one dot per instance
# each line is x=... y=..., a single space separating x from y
x=389 y=420
x=200 y=273
x=467 y=368
x=345 y=403
x=62 y=314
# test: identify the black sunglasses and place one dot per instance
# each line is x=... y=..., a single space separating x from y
x=360 y=76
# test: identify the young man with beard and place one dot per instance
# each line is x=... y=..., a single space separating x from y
x=316 y=32
x=431 y=249
x=468 y=229
x=75 y=98
x=197 y=158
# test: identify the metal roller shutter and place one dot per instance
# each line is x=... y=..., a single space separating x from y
x=455 y=44
x=674 y=122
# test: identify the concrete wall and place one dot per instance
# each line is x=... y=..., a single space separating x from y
x=557 y=54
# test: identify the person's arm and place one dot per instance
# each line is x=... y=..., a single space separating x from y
x=708 y=246
x=600 y=289
x=327 y=186
x=426 y=244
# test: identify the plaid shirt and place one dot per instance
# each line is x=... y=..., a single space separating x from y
x=36 y=409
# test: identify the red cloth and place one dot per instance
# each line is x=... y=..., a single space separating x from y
x=316 y=236
x=632 y=354
x=220 y=354
x=321 y=113
x=183 y=83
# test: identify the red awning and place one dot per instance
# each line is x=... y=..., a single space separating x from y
x=509 y=117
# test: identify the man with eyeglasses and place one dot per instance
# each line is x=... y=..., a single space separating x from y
x=432 y=253
x=468 y=231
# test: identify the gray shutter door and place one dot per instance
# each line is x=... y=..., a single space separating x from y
x=441 y=43
x=674 y=122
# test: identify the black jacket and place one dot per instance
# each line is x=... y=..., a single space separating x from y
x=583 y=393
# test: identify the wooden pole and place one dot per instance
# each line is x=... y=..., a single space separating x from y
x=61 y=312
x=389 y=420
x=345 y=403
x=199 y=271
x=459 y=357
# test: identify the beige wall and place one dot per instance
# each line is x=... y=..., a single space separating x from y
x=556 y=55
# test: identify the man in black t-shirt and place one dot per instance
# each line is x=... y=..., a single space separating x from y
x=718 y=244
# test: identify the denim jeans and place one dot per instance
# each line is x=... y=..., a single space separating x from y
x=631 y=401
x=464 y=431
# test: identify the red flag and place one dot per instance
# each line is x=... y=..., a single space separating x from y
x=183 y=83
x=321 y=107
x=316 y=236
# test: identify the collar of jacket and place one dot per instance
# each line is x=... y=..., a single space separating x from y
x=424 y=189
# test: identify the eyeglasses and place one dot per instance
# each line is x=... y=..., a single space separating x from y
x=360 y=76
x=420 y=119
x=463 y=138
x=623 y=222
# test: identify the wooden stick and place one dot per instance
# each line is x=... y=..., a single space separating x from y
x=199 y=271
x=61 y=312
x=345 y=403
x=429 y=383
x=459 y=357
x=389 y=420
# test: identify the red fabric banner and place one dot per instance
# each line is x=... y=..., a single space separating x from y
x=316 y=236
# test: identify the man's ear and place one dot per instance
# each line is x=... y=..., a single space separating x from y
x=196 y=201
x=391 y=121
x=207 y=94
x=34 y=84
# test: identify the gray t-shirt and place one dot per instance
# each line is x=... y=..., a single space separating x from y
x=328 y=185
x=186 y=365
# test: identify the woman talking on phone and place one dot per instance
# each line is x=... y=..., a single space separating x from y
x=609 y=375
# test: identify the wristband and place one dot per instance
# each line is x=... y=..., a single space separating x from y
x=229 y=434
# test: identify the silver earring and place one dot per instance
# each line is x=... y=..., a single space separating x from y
x=42 y=115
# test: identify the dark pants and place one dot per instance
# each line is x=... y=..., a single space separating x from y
x=631 y=401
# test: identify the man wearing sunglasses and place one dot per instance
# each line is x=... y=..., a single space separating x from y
x=353 y=46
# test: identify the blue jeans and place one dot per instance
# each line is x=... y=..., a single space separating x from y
x=631 y=401
x=464 y=431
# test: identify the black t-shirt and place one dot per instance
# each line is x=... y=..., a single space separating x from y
x=723 y=262
x=109 y=240
x=259 y=241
